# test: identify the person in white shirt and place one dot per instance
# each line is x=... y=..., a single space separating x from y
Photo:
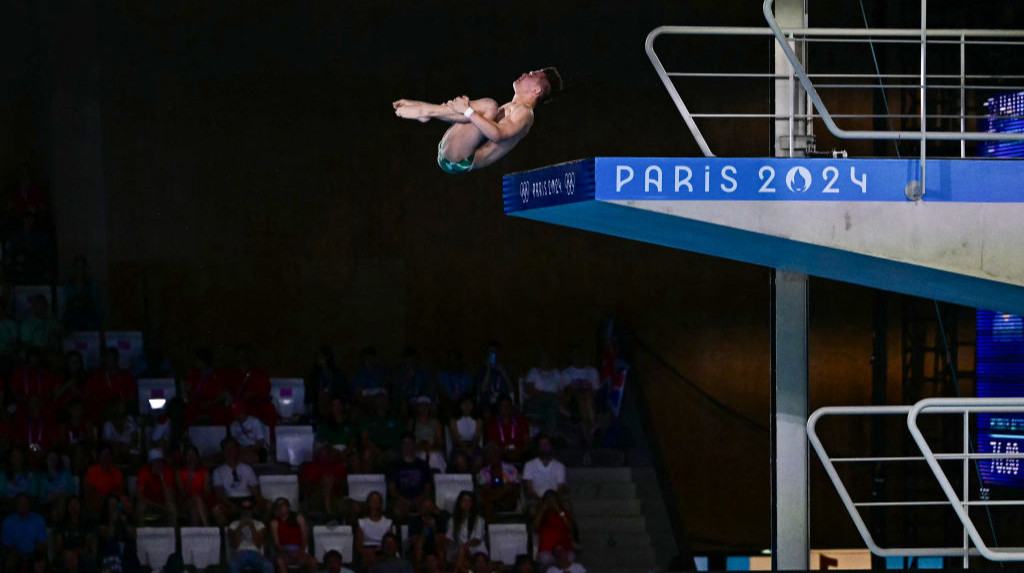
x=564 y=564
x=251 y=435
x=233 y=482
x=543 y=388
x=542 y=474
x=580 y=384
x=246 y=536
x=372 y=528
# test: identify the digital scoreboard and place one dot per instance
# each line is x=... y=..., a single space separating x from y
x=1000 y=337
x=1000 y=373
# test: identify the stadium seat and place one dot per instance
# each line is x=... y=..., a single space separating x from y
x=207 y=439
x=337 y=537
x=128 y=344
x=286 y=486
x=448 y=486
x=295 y=444
x=200 y=546
x=360 y=486
x=155 y=389
x=507 y=540
x=289 y=396
x=154 y=545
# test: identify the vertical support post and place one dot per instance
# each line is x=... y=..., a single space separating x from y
x=790 y=518
x=790 y=103
x=963 y=94
x=966 y=485
x=879 y=397
x=924 y=85
x=789 y=521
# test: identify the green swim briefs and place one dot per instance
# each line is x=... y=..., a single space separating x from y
x=456 y=167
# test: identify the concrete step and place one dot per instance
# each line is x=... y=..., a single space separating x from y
x=604 y=525
x=610 y=507
x=595 y=490
x=599 y=458
x=599 y=475
x=617 y=557
x=614 y=540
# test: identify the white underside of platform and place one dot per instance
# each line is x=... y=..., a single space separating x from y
x=982 y=240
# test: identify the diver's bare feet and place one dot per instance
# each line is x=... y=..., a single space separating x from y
x=409 y=109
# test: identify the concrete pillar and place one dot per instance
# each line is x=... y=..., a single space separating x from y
x=70 y=60
x=790 y=97
x=790 y=483
x=790 y=519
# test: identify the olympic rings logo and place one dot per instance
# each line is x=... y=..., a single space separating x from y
x=524 y=192
x=570 y=183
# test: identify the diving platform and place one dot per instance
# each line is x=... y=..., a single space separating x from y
x=862 y=221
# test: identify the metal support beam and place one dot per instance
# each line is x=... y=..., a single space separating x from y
x=790 y=518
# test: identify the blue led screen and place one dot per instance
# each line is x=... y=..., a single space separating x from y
x=1000 y=373
x=1005 y=115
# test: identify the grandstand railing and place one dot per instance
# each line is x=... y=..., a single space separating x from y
x=960 y=502
x=967 y=88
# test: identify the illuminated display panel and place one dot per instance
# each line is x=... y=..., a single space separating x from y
x=1000 y=350
x=1000 y=371
x=1005 y=115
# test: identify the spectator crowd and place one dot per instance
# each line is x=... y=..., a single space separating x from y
x=84 y=467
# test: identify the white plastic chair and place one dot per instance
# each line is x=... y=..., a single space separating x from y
x=507 y=540
x=289 y=396
x=155 y=389
x=154 y=545
x=448 y=486
x=295 y=444
x=286 y=486
x=360 y=486
x=207 y=439
x=200 y=546
x=337 y=537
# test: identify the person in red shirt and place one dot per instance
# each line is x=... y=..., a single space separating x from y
x=555 y=527
x=35 y=428
x=251 y=386
x=30 y=379
x=156 y=490
x=324 y=483
x=110 y=383
x=510 y=430
x=102 y=479
x=193 y=486
x=209 y=392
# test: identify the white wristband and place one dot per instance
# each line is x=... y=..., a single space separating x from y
x=469 y=111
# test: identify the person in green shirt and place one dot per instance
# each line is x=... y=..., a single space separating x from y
x=336 y=430
x=381 y=428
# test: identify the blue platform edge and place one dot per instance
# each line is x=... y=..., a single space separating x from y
x=574 y=194
x=763 y=179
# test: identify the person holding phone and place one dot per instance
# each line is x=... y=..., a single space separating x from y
x=493 y=380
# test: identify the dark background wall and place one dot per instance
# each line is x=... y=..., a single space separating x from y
x=258 y=189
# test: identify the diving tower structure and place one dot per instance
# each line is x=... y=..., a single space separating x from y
x=947 y=228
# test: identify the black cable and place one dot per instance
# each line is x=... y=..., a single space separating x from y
x=703 y=393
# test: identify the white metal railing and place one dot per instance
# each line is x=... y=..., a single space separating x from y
x=967 y=88
x=960 y=502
